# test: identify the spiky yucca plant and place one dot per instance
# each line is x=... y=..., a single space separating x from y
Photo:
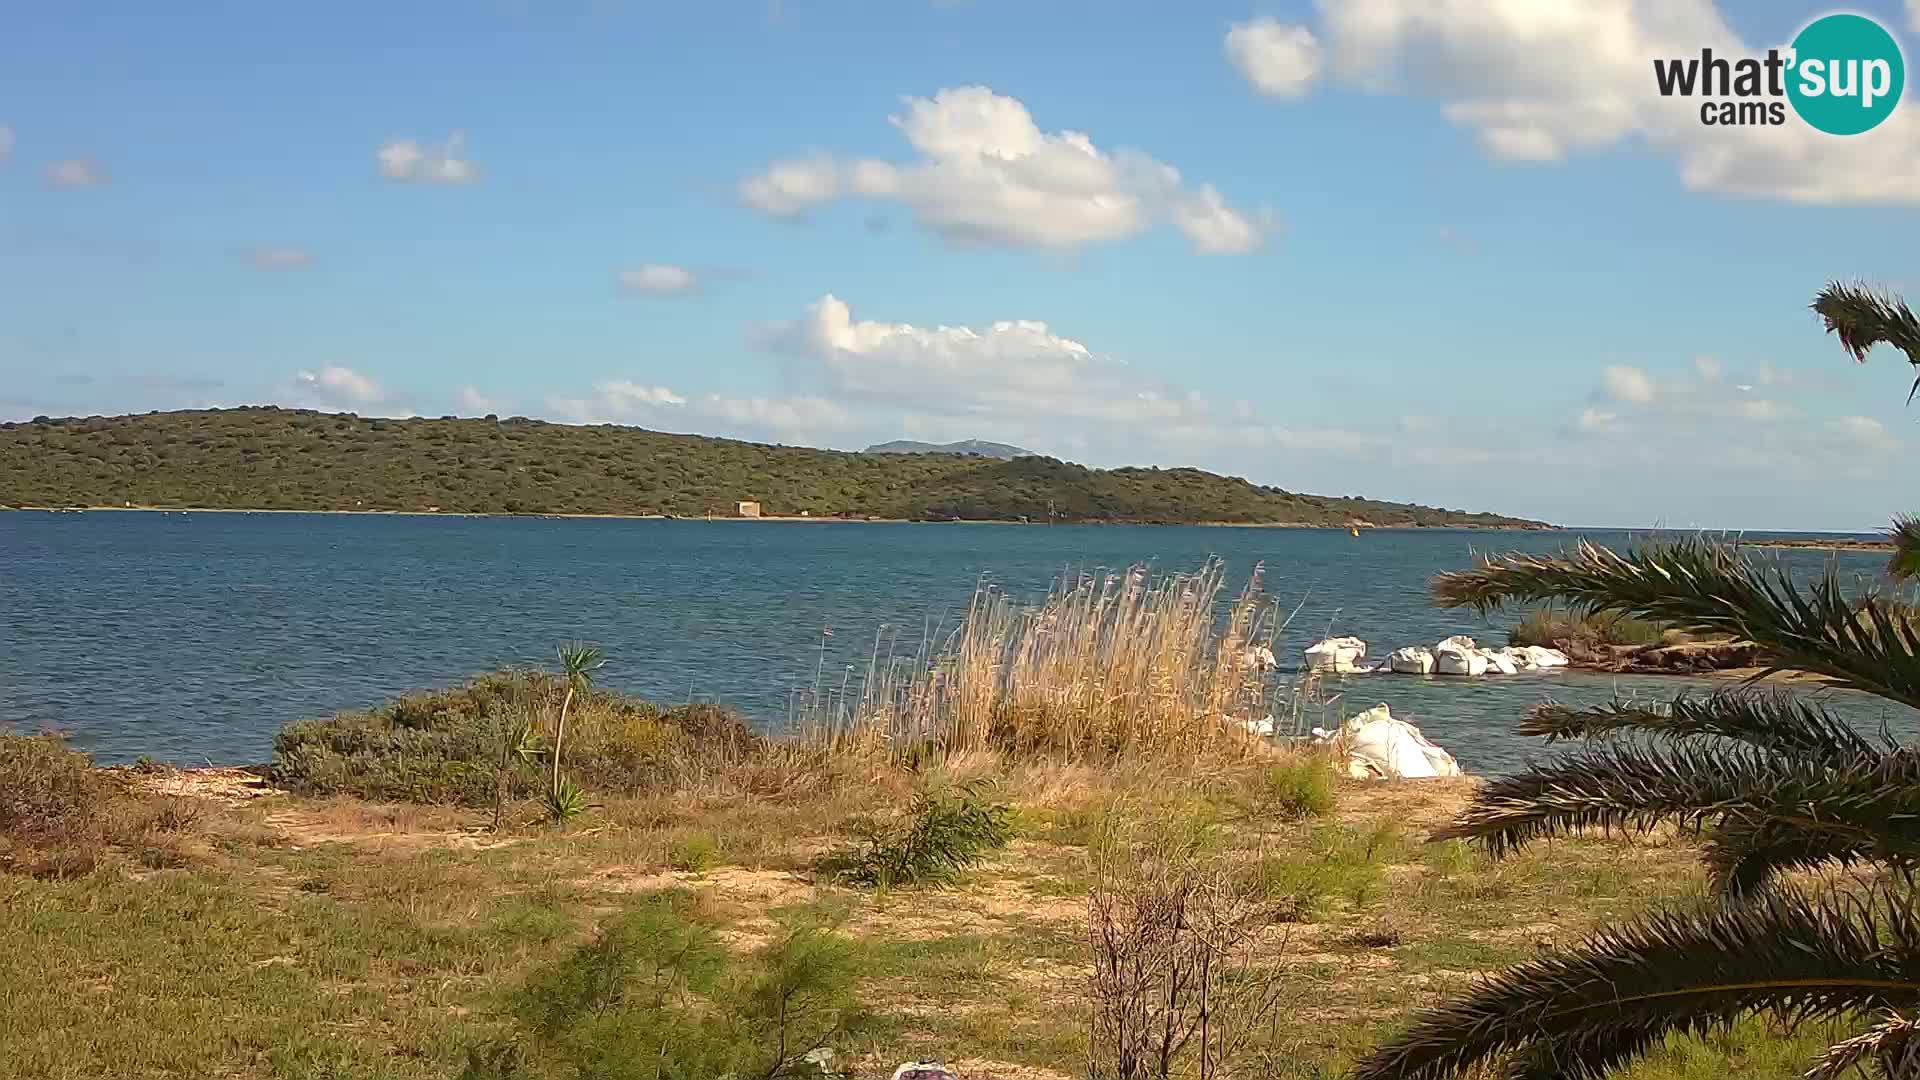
x=1773 y=783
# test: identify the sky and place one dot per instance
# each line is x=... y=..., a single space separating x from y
x=1458 y=252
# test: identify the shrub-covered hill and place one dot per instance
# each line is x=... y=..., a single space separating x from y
x=286 y=459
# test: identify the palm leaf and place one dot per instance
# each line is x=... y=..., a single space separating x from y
x=1772 y=721
x=1862 y=317
x=1905 y=534
x=1764 y=812
x=1587 y=1010
x=1707 y=587
x=1892 y=1047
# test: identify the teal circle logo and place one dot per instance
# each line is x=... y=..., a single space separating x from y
x=1846 y=74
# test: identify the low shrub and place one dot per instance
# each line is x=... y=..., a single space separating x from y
x=695 y=853
x=60 y=817
x=1292 y=790
x=657 y=996
x=942 y=834
x=1558 y=629
x=446 y=746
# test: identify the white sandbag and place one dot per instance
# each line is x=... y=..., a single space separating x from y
x=1259 y=658
x=1262 y=728
x=1457 y=641
x=1378 y=746
x=1543 y=657
x=1451 y=659
x=1412 y=660
x=1341 y=655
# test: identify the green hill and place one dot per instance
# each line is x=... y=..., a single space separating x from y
x=284 y=459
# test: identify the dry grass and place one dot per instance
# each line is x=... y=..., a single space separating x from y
x=1125 y=665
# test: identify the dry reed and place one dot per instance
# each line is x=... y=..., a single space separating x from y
x=1105 y=665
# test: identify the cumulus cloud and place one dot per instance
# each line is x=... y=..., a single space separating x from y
x=279 y=258
x=1708 y=368
x=1628 y=384
x=986 y=174
x=77 y=173
x=336 y=386
x=408 y=161
x=1279 y=60
x=6 y=143
x=1013 y=366
x=659 y=279
x=627 y=396
x=1499 y=69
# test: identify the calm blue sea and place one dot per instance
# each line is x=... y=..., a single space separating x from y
x=192 y=637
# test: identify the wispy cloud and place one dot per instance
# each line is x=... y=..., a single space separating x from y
x=408 y=161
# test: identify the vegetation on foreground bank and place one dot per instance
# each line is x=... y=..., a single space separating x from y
x=267 y=458
x=212 y=929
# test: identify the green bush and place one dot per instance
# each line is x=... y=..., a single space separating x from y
x=445 y=746
x=1552 y=629
x=657 y=996
x=44 y=785
x=695 y=853
x=1292 y=790
x=941 y=835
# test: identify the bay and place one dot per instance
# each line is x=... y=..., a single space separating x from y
x=193 y=637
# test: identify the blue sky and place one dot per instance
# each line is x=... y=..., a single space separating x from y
x=1457 y=252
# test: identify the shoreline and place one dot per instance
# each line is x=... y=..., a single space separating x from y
x=1364 y=526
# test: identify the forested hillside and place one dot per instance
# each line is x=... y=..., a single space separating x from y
x=286 y=459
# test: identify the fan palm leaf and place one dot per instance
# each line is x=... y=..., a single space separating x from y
x=1584 y=1011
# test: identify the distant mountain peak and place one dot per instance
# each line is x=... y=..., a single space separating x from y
x=968 y=447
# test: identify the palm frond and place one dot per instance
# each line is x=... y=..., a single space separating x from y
x=1586 y=1010
x=1862 y=317
x=1905 y=534
x=1891 y=1048
x=1774 y=721
x=1708 y=587
x=1764 y=812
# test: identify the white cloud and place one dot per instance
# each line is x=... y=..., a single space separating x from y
x=1628 y=384
x=1913 y=15
x=77 y=173
x=1708 y=368
x=1214 y=228
x=284 y=258
x=1501 y=69
x=1279 y=60
x=473 y=401
x=1598 y=421
x=987 y=175
x=409 y=162
x=624 y=395
x=786 y=416
x=338 y=386
x=1415 y=424
x=6 y=143
x=659 y=279
x=1863 y=433
x=1014 y=367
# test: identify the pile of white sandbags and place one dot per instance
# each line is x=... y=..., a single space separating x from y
x=1457 y=655
x=1375 y=745
x=1461 y=655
